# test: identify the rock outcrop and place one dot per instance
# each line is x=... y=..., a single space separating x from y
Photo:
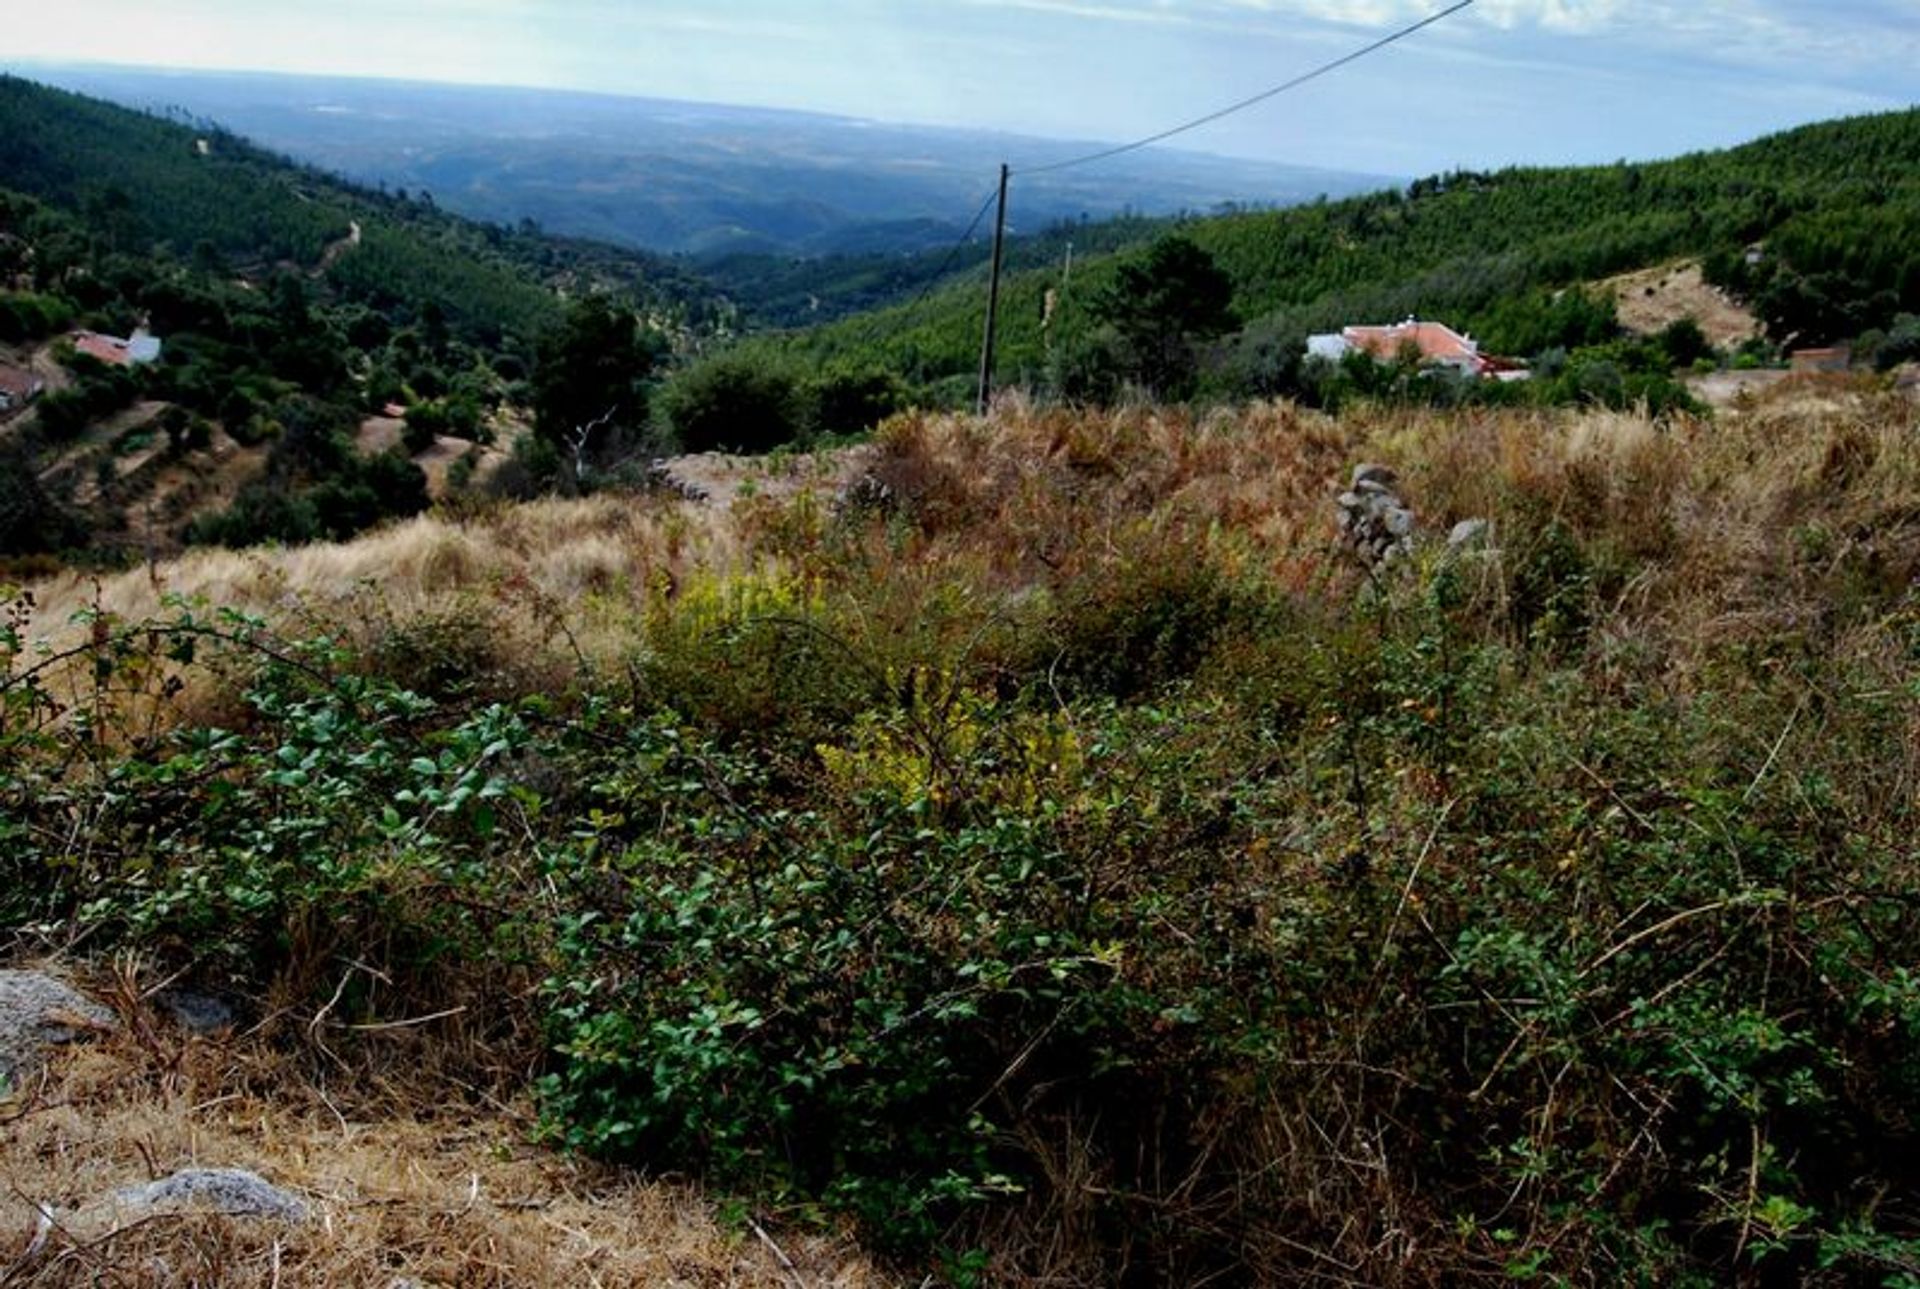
x=1375 y=523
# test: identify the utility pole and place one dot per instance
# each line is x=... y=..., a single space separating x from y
x=993 y=296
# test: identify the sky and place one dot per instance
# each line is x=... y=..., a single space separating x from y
x=1504 y=82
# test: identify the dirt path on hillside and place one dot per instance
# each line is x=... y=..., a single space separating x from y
x=720 y=479
x=379 y=434
x=332 y=254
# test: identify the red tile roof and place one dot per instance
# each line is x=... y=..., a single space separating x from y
x=114 y=351
x=1436 y=342
x=106 y=348
x=17 y=383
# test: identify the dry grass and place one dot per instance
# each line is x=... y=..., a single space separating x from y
x=1740 y=523
x=1814 y=477
x=553 y=584
x=1651 y=299
x=401 y=1184
x=1794 y=518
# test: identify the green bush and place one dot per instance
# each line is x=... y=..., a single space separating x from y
x=25 y=316
x=99 y=392
x=734 y=403
x=31 y=522
x=1685 y=343
x=851 y=401
x=426 y=422
x=345 y=810
x=1157 y=923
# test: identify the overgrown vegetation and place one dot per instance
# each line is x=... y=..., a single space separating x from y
x=1825 y=214
x=1066 y=863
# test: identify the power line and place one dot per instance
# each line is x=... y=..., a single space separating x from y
x=1246 y=103
x=873 y=318
x=954 y=252
x=938 y=276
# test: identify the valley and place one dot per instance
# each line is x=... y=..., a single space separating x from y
x=695 y=179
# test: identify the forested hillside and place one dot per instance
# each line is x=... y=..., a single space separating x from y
x=1830 y=214
x=289 y=308
x=792 y=291
x=147 y=185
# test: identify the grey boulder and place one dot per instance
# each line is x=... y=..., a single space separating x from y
x=38 y=1011
x=234 y=1192
x=1468 y=532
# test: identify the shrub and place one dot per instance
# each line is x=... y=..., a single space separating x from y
x=25 y=316
x=426 y=422
x=1902 y=343
x=347 y=812
x=1684 y=343
x=30 y=521
x=734 y=403
x=99 y=392
x=1092 y=879
x=851 y=401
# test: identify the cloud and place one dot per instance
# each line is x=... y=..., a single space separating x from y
x=1157 y=12
x=1754 y=31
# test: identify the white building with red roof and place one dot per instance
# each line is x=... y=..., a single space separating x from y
x=140 y=347
x=1432 y=344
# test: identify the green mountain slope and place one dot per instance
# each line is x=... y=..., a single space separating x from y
x=147 y=185
x=291 y=307
x=1835 y=207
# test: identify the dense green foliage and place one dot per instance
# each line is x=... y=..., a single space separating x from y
x=736 y=402
x=316 y=485
x=31 y=523
x=590 y=384
x=1158 y=308
x=1833 y=209
x=27 y=316
x=145 y=184
x=268 y=281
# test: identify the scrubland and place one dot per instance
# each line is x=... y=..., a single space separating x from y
x=1058 y=861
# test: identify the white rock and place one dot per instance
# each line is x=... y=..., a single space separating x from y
x=232 y=1191
x=38 y=1011
x=1468 y=532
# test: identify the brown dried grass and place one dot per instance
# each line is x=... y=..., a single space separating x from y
x=1742 y=528
x=1717 y=516
x=403 y=1181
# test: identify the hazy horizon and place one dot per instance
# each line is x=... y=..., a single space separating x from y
x=28 y=67
x=1506 y=82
